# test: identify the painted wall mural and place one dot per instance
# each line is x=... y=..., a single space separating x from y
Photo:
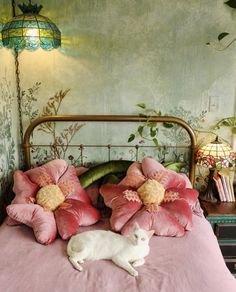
x=7 y=142
x=116 y=54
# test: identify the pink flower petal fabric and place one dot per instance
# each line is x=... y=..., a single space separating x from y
x=161 y=221
x=40 y=220
x=76 y=192
x=168 y=178
x=189 y=195
x=122 y=208
x=134 y=177
x=23 y=188
x=25 y=192
x=72 y=214
x=53 y=169
x=181 y=210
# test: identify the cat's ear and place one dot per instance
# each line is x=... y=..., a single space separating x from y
x=136 y=226
x=150 y=233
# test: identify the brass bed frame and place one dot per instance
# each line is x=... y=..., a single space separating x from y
x=111 y=118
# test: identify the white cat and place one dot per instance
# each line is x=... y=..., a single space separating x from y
x=126 y=252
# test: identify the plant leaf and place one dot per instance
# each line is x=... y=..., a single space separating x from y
x=143 y=115
x=152 y=132
x=168 y=125
x=155 y=141
x=140 y=130
x=141 y=105
x=222 y=35
x=152 y=124
x=226 y=123
x=234 y=130
x=131 y=137
x=231 y=3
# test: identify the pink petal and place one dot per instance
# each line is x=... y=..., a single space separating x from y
x=189 y=195
x=181 y=210
x=162 y=222
x=122 y=208
x=54 y=169
x=168 y=178
x=25 y=192
x=42 y=222
x=134 y=177
x=23 y=188
x=76 y=191
x=150 y=166
x=72 y=214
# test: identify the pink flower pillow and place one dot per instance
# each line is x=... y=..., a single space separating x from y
x=171 y=217
x=43 y=192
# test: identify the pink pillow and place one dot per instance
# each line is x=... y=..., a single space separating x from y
x=123 y=202
x=171 y=218
x=56 y=178
x=168 y=178
x=161 y=221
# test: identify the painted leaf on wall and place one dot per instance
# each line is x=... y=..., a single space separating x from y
x=222 y=35
x=231 y=3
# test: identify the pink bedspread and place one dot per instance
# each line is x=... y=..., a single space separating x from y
x=189 y=264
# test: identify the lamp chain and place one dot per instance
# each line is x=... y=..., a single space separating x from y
x=13 y=4
x=18 y=91
x=19 y=94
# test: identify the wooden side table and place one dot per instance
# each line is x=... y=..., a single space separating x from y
x=222 y=217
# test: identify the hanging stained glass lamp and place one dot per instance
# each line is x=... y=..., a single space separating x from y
x=30 y=30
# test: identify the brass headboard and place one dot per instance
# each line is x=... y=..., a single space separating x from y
x=111 y=118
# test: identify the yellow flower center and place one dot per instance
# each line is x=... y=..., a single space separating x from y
x=50 y=197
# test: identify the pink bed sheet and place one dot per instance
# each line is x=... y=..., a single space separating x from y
x=192 y=263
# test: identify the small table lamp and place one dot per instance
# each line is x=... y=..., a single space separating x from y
x=214 y=155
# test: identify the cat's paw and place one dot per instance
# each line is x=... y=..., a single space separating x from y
x=133 y=273
x=138 y=263
x=80 y=261
x=79 y=268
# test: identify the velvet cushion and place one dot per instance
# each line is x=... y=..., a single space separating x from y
x=54 y=175
x=168 y=217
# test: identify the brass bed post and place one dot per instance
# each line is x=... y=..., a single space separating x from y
x=111 y=118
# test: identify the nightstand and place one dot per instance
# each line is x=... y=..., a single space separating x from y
x=222 y=217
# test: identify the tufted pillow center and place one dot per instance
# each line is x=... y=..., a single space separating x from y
x=151 y=192
x=50 y=197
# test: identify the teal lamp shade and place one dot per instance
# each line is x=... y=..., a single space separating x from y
x=30 y=30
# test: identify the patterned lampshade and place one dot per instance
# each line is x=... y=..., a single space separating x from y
x=215 y=155
x=30 y=30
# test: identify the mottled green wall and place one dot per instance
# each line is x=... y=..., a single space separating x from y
x=8 y=113
x=116 y=54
